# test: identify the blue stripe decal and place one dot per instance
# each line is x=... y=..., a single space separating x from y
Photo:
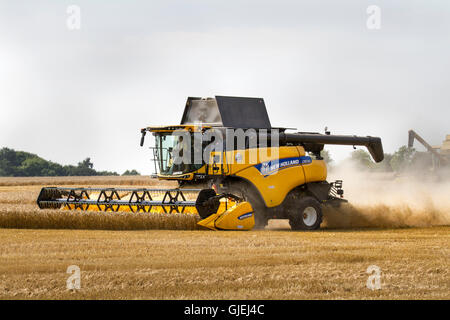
x=273 y=166
x=245 y=216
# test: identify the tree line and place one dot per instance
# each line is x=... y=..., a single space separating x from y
x=403 y=159
x=24 y=164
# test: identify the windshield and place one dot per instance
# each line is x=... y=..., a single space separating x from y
x=167 y=147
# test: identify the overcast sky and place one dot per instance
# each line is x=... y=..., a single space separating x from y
x=70 y=94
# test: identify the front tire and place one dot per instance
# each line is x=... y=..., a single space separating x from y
x=247 y=193
x=307 y=214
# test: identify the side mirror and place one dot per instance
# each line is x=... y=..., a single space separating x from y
x=143 y=132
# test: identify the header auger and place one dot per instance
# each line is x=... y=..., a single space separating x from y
x=233 y=168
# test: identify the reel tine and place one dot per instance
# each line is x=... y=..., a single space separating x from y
x=167 y=201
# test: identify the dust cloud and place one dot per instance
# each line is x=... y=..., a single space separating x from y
x=380 y=199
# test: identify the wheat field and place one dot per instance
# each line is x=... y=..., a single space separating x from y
x=142 y=256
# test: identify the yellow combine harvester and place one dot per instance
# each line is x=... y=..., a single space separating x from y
x=234 y=170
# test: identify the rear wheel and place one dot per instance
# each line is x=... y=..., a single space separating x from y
x=307 y=214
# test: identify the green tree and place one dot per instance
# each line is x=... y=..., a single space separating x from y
x=107 y=173
x=86 y=164
x=84 y=168
x=131 y=173
x=18 y=163
x=9 y=161
x=33 y=167
x=385 y=165
x=362 y=158
x=325 y=154
x=402 y=158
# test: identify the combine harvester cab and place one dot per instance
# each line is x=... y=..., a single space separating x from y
x=231 y=186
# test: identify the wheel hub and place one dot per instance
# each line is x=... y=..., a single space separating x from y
x=309 y=216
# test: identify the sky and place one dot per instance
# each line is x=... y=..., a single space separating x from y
x=67 y=93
